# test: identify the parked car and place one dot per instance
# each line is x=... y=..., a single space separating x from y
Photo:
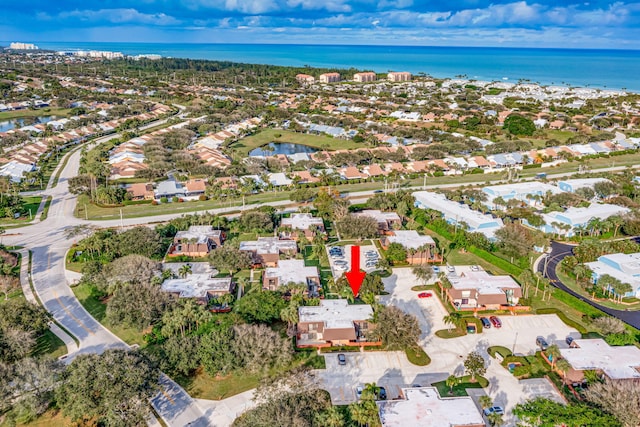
x=342 y=359
x=359 y=391
x=382 y=394
x=494 y=409
x=485 y=323
x=435 y=269
x=451 y=269
x=569 y=340
x=475 y=268
x=425 y=295
x=496 y=322
x=542 y=343
x=471 y=328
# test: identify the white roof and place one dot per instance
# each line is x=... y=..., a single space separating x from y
x=520 y=189
x=621 y=362
x=14 y=170
x=279 y=179
x=291 y=271
x=410 y=239
x=196 y=284
x=423 y=406
x=268 y=245
x=379 y=215
x=483 y=282
x=581 y=216
x=454 y=211
x=581 y=182
x=302 y=221
x=201 y=233
x=335 y=313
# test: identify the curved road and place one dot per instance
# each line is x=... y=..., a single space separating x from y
x=548 y=268
x=49 y=245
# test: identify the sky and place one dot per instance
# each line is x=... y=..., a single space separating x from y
x=543 y=23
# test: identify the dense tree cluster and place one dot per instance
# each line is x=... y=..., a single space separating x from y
x=20 y=325
x=357 y=227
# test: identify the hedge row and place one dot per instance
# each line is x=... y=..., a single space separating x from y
x=505 y=265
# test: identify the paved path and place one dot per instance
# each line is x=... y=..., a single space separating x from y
x=48 y=243
x=548 y=268
x=72 y=346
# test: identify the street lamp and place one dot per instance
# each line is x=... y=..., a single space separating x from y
x=513 y=350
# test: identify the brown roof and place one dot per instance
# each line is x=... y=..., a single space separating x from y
x=140 y=189
x=196 y=185
x=339 y=334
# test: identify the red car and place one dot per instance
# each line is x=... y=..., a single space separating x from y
x=495 y=321
x=425 y=295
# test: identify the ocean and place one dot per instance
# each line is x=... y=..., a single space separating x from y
x=604 y=69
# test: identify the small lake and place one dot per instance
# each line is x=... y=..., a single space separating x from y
x=281 y=148
x=7 y=125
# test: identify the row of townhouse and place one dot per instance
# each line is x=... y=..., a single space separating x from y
x=26 y=158
x=208 y=148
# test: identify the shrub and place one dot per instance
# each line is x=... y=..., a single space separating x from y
x=522 y=371
x=164 y=200
x=620 y=339
x=202 y=198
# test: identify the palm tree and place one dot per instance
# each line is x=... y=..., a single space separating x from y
x=452 y=319
x=332 y=417
x=451 y=382
x=495 y=419
x=563 y=366
x=185 y=270
x=526 y=278
x=485 y=401
x=553 y=353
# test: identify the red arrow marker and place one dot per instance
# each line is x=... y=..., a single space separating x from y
x=355 y=276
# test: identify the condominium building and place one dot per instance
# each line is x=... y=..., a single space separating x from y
x=364 y=77
x=329 y=77
x=305 y=78
x=402 y=76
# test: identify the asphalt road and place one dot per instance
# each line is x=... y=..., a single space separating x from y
x=49 y=245
x=548 y=268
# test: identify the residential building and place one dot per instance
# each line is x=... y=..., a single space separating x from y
x=266 y=251
x=458 y=213
x=616 y=363
x=624 y=267
x=387 y=221
x=402 y=76
x=526 y=193
x=195 y=187
x=571 y=185
x=141 y=191
x=420 y=249
x=364 y=77
x=334 y=322
x=169 y=189
x=292 y=271
x=474 y=288
x=201 y=284
x=15 y=170
x=576 y=219
x=305 y=78
x=300 y=223
x=197 y=241
x=425 y=407
x=329 y=78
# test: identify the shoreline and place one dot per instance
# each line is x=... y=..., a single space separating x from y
x=604 y=69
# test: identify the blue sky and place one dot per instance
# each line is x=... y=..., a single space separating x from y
x=544 y=23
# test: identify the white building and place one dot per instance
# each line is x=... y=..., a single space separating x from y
x=292 y=271
x=200 y=284
x=617 y=363
x=624 y=267
x=472 y=287
x=458 y=213
x=575 y=218
x=423 y=406
x=571 y=185
x=15 y=170
x=529 y=193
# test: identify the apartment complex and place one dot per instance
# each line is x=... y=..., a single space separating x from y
x=305 y=78
x=364 y=77
x=402 y=76
x=329 y=77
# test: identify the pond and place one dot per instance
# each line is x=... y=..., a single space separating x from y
x=286 y=148
x=7 y=125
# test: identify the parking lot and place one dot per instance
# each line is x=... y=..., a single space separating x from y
x=340 y=259
x=389 y=369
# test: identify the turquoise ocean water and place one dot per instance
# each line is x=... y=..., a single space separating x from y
x=612 y=69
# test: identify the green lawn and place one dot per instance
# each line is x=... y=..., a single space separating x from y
x=58 y=112
x=245 y=145
x=52 y=417
x=417 y=356
x=203 y=386
x=97 y=308
x=30 y=203
x=45 y=210
x=571 y=283
x=460 y=389
x=49 y=344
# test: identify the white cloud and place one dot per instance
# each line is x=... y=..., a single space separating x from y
x=119 y=16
